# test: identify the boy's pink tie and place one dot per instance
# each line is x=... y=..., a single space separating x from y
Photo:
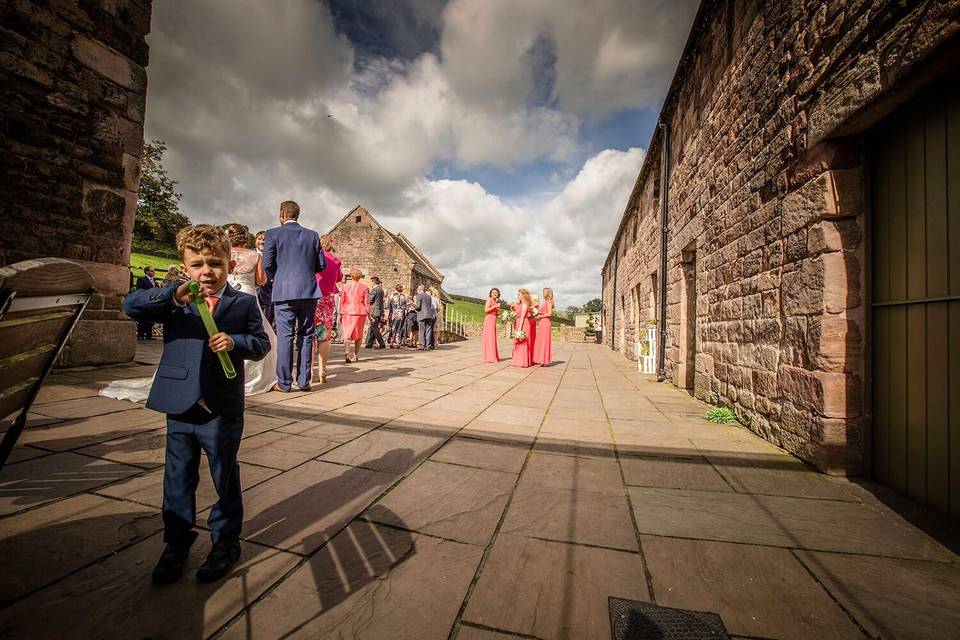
x=212 y=302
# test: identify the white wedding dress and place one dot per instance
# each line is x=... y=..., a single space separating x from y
x=259 y=377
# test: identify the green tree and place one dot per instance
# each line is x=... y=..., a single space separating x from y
x=158 y=205
x=593 y=306
x=571 y=311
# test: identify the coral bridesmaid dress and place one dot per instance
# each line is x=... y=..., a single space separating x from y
x=523 y=351
x=488 y=345
x=543 y=345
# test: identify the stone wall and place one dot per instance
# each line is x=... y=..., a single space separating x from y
x=72 y=92
x=367 y=245
x=766 y=238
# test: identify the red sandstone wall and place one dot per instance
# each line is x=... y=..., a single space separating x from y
x=767 y=187
x=72 y=92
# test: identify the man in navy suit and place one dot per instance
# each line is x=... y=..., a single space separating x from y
x=146 y=281
x=426 y=317
x=204 y=408
x=292 y=257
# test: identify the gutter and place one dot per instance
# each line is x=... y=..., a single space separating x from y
x=664 y=231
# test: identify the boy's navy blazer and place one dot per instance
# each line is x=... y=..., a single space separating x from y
x=188 y=369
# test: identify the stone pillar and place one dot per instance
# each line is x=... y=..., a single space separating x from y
x=72 y=98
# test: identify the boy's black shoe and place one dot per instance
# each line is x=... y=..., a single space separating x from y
x=218 y=562
x=170 y=566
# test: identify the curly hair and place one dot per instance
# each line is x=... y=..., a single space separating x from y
x=238 y=234
x=525 y=296
x=203 y=236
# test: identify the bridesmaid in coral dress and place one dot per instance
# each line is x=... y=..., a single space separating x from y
x=488 y=345
x=523 y=349
x=543 y=343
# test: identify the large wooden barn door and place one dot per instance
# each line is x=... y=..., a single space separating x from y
x=915 y=186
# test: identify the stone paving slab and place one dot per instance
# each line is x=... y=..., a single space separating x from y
x=820 y=525
x=540 y=511
x=480 y=453
x=892 y=598
x=392 y=451
x=279 y=450
x=34 y=482
x=368 y=582
x=448 y=501
x=299 y=510
x=553 y=590
x=115 y=599
x=47 y=543
x=145 y=449
x=73 y=434
x=672 y=473
x=758 y=591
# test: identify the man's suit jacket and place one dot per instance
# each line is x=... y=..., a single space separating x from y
x=376 y=302
x=292 y=258
x=188 y=369
x=424 y=306
x=145 y=282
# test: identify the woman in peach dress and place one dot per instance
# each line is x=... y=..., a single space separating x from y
x=543 y=342
x=354 y=309
x=523 y=349
x=488 y=344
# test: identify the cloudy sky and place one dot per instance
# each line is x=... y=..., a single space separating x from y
x=502 y=136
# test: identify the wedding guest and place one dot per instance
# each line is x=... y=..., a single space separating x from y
x=488 y=345
x=146 y=281
x=376 y=315
x=426 y=316
x=543 y=342
x=397 y=313
x=204 y=408
x=173 y=274
x=522 y=349
x=437 y=314
x=534 y=316
x=292 y=257
x=326 y=305
x=264 y=290
x=354 y=310
x=410 y=323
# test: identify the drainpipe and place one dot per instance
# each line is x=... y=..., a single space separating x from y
x=613 y=305
x=665 y=217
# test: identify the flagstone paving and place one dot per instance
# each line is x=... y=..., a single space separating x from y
x=427 y=495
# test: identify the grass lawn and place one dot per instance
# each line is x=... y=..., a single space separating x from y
x=473 y=312
x=140 y=260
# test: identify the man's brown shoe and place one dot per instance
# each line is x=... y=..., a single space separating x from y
x=277 y=387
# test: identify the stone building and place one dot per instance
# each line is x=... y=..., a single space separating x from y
x=72 y=92
x=812 y=262
x=362 y=241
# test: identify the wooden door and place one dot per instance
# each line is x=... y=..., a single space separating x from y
x=915 y=257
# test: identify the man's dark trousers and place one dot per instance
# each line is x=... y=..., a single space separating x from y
x=426 y=333
x=373 y=333
x=219 y=438
x=294 y=319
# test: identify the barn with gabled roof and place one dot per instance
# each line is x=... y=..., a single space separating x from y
x=359 y=239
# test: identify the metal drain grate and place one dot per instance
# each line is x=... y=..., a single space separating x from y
x=632 y=620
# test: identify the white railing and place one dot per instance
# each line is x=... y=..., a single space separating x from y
x=646 y=351
x=454 y=323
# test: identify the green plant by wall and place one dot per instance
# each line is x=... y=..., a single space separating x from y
x=720 y=415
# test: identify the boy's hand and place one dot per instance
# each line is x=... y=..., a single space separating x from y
x=221 y=342
x=183 y=295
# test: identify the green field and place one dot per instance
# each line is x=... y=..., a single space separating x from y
x=140 y=260
x=473 y=312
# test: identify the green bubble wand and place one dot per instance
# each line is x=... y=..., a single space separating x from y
x=212 y=330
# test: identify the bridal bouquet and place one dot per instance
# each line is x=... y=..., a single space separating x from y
x=507 y=316
x=535 y=312
x=520 y=336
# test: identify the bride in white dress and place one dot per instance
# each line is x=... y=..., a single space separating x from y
x=259 y=376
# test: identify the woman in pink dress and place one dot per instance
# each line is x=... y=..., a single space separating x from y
x=534 y=313
x=488 y=344
x=522 y=349
x=543 y=342
x=326 y=305
x=354 y=309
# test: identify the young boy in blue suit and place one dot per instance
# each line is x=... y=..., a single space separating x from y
x=204 y=409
